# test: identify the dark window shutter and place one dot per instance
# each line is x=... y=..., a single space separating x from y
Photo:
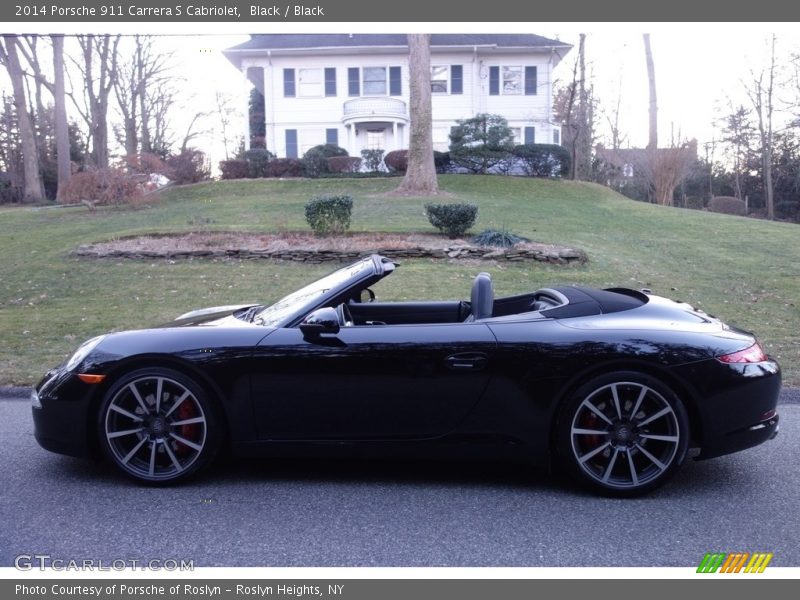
x=530 y=81
x=330 y=81
x=494 y=81
x=332 y=136
x=353 y=83
x=395 y=83
x=291 y=143
x=288 y=83
x=456 y=79
x=530 y=135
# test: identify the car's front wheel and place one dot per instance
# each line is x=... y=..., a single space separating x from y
x=623 y=434
x=158 y=426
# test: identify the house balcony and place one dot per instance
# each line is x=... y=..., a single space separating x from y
x=367 y=110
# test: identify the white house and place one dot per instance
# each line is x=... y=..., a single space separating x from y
x=352 y=89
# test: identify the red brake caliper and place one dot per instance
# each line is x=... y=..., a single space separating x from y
x=589 y=420
x=186 y=411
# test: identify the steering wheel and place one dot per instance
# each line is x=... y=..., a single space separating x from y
x=344 y=316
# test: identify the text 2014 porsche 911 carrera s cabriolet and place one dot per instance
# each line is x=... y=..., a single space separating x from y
x=614 y=386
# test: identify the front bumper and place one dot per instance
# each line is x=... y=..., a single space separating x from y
x=63 y=423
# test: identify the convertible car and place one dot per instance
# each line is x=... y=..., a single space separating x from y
x=612 y=386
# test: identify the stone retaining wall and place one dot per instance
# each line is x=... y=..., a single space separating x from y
x=561 y=256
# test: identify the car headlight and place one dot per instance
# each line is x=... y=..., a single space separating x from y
x=83 y=351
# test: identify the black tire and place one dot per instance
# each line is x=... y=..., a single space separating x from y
x=158 y=441
x=622 y=434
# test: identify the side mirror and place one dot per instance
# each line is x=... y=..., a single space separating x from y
x=366 y=295
x=322 y=320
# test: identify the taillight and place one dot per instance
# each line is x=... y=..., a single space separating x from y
x=753 y=354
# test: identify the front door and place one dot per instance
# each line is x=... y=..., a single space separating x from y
x=371 y=381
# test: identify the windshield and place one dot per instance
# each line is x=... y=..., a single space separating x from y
x=290 y=305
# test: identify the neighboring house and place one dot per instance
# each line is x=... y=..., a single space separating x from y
x=352 y=90
x=632 y=163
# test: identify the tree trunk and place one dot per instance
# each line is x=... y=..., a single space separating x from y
x=33 y=190
x=420 y=175
x=651 y=78
x=63 y=163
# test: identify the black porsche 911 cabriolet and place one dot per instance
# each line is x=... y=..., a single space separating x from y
x=614 y=385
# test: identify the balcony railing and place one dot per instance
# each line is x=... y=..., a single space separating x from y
x=374 y=108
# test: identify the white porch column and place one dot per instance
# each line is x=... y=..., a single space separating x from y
x=394 y=135
x=349 y=139
x=247 y=87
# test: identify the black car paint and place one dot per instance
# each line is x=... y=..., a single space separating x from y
x=385 y=386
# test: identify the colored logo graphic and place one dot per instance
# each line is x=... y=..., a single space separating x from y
x=735 y=562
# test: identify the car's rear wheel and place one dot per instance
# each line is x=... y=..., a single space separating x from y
x=623 y=434
x=158 y=426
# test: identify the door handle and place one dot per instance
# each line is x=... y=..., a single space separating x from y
x=466 y=361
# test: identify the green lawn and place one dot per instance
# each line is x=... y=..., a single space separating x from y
x=743 y=270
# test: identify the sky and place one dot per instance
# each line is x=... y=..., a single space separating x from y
x=700 y=68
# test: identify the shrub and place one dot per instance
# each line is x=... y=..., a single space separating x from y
x=396 y=161
x=329 y=214
x=189 y=166
x=481 y=143
x=727 y=205
x=344 y=164
x=234 y=169
x=543 y=160
x=315 y=159
x=695 y=202
x=9 y=192
x=788 y=209
x=441 y=161
x=452 y=219
x=500 y=238
x=285 y=167
x=145 y=162
x=373 y=158
x=101 y=186
x=257 y=161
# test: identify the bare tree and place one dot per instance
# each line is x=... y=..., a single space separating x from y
x=666 y=168
x=420 y=177
x=98 y=68
x=761 y=94
x=225 y=111
x=652 y=141
x=33 y=190
x=574 y=106
x=738 y=133
x=145 y=70
x=56 y=87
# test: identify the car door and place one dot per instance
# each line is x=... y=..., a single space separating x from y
x=370 y=381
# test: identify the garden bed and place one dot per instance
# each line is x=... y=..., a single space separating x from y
x=303 y=247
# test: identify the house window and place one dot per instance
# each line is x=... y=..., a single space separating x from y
x=456 y=79
x=512 y=80
x=516 y=132
x=330 y=81
x=288 y=83
x=439 y=79
x=374 y=139
x=494 y=81
x=530 y=81
x=530 y=135
x=395 y=82
x=373 y=80
x=309 y=83
x=556 y=137
x=353 y=82
x=332 y=136
x=627 y=170
x=291 y=143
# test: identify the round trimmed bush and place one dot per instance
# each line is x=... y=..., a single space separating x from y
x=453 y=220
x=329 y=214
x=728 y=205
x=315 y=160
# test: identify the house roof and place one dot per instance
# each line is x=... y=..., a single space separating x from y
x=289 y=41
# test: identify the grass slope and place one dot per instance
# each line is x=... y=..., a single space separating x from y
x=743 y=270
